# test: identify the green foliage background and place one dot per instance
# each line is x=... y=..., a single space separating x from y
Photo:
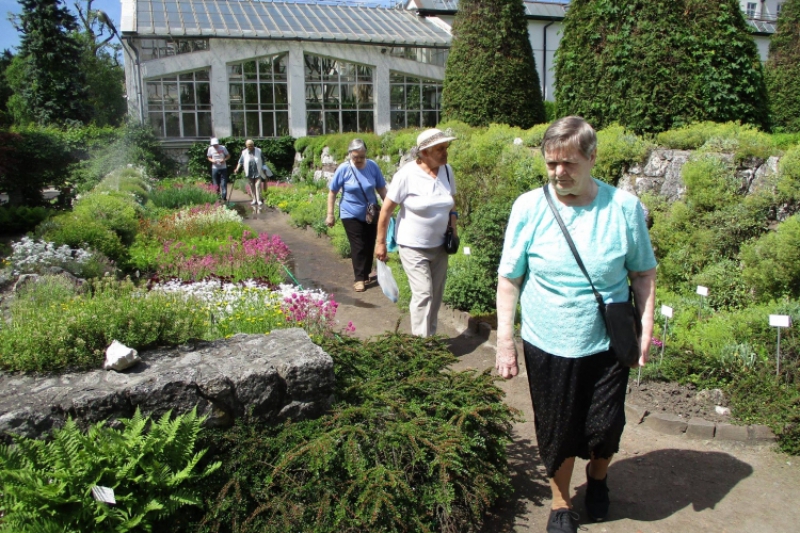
x=490 y=76
x=653 y=65
x=783 y=69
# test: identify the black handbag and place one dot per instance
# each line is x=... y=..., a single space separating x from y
x=623 y=323
x=451 y=240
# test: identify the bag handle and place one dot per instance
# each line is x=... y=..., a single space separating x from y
x=564 y=230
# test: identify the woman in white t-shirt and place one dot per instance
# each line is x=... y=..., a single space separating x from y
x=424 y=190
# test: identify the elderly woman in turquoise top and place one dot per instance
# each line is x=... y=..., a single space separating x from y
x=577 y=385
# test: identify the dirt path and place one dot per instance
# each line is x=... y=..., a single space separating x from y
x=659 y=483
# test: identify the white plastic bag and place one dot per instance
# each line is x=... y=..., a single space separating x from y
x=387 y=282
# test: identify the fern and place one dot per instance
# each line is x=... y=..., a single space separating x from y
x=47 y=485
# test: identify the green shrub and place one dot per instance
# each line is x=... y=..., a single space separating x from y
x=617 y=150
x=788 y=185
x=152 y=466
x=83 y=231
x=470 y=287
x=657 y=65
x=409 y=446
x=32 y=160
x=772 y=263
x=21 y=219
x=710 y=182
x=339 y=240
x=492 y=33
x=126 y=180
x=783 y=69
x=117 y=211
x=175 y=195
x=79 y=329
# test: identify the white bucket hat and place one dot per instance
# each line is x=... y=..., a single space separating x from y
x=432 y=137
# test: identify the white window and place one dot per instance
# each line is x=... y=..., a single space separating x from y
x=338 y=96
x=180 y=105
x=751 y=9
x=415 y=101
x=259 y=97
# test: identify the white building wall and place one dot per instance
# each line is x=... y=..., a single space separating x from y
x=763 y=8
x=545 y=36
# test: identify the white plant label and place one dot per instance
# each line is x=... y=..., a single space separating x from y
x=104 y=494
x=666 y=311
x=467 y=251
x=702 y=291
x=780 y=321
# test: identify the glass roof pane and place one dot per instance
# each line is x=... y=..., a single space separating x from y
x=281 y=20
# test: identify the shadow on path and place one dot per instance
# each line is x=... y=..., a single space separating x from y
x=693 y=478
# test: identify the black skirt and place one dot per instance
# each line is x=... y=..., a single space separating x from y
x=578 y=405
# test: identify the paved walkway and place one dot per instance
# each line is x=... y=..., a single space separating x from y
x=659 y=483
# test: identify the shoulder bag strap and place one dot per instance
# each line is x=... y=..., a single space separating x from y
x=564 y=230
x=355 y=175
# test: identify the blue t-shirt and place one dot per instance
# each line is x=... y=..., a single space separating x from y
x=559 y=310
x=354 y=203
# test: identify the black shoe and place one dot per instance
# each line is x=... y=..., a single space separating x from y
x=563 y=521
x=597 y=501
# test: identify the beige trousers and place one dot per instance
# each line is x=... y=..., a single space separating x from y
x=426 y=269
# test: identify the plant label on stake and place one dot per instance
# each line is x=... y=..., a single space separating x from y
x=104 y=494
x=467 y=250
x=779 y=321
x=703 y=292
x=666 y=312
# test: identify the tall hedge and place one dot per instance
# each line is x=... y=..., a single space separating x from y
x=491 y=73
x=653 y=65
x=783 y=69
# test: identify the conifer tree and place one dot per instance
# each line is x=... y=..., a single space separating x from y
x=652 y=65
x=46 y=76
x=491 y=73
x=783 y=69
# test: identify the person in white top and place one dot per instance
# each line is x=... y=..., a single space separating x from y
x=252 y=162
x=424 y=190
x=217 y=155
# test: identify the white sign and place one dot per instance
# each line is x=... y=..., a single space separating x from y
x=666 y=311
x=467 y=251
x=702 y=291
x=104 y=494
x=780 y=321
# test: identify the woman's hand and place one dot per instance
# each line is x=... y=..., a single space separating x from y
x=506 y=359
x=330 y=220
x=380 y=251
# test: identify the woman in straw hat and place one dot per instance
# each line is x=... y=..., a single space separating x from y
x=424 y=190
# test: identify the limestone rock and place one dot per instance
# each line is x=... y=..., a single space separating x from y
x=261 y=377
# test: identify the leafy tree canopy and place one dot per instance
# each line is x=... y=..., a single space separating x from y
x=491 y=74
x=783 y=69
x=47 y=78
x=653 y=65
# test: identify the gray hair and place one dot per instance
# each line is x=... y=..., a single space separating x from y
x=356 y=145
x=570 y=132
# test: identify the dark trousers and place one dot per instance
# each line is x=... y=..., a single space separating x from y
x=219 y=177
x=362 y=246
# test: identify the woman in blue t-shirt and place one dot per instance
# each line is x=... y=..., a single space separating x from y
x=359 y=179
x=577 y=384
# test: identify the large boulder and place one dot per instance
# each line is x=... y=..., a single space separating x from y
x=265 y=377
